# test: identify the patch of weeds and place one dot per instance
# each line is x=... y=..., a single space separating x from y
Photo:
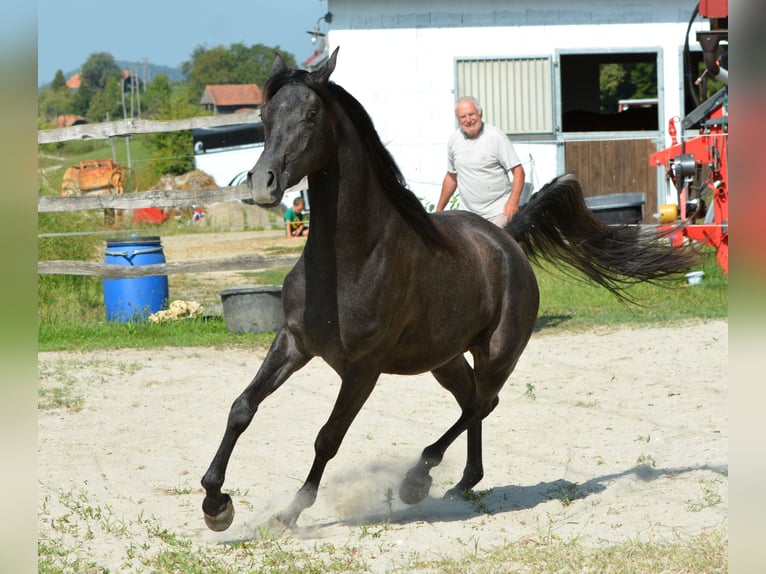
x=530 y=392
x=177 y=490
x=53 y=559
x=368 y=530
x=58 y=382
x=59 y=398
x=565 y=492
x=476 y=498
x=586 y=404
x=710 y=495
x=646 y=459
x=169 y=538
x=56 y=389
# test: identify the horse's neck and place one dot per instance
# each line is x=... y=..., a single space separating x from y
x=348 y=209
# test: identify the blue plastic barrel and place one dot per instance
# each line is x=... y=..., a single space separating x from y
x=135 y=298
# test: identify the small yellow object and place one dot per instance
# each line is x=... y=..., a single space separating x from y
x=668 y=212
x=177 y=310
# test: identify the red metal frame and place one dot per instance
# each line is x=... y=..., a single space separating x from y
x=710 y=148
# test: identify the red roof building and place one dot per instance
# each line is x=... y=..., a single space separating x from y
x=231 y=98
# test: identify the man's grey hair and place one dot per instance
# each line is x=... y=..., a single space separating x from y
x=471 y=99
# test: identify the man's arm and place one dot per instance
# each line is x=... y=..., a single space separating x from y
x=449 y=185
x=512 y=205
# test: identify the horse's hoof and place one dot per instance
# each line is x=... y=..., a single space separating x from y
x=278 y=524
x=456 y=493
x=223 y=519
x=415 y=487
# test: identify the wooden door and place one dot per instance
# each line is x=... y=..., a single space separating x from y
x=615 y=166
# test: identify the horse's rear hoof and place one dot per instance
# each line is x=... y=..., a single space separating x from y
x=279 y=524
x=222 y=520
x=415 y=487
x=456 y=493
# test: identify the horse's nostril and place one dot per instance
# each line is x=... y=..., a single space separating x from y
x=270 y=179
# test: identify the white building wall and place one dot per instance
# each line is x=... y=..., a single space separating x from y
x=405 y=78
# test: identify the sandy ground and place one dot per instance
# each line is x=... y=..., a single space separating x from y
x=603 y=436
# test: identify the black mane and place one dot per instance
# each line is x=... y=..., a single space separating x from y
x=381 y=162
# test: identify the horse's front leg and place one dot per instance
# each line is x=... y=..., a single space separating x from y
x=354 y=391
x=282 y=360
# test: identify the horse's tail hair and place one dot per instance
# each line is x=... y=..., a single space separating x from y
x=556 y=226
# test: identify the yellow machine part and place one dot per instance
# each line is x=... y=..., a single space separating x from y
x=668 y=212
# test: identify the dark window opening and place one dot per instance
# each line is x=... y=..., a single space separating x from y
x=609 y=92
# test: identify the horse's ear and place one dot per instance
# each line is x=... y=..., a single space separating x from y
x=323 y=73
x=278 y=65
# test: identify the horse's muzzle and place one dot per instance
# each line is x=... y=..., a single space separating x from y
x=264 y=186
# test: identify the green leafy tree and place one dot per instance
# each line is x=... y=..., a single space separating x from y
x=239 y=64
x=171 y=151
x=626 y=81
x=55 y=100
x=98 y=69
x=95 y=74
x=106 y=104
x=59 y=82
x=643 y=77
x=157 y=95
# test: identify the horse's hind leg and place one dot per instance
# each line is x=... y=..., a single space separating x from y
x=282 y=360
x=457 y=377
x=354 y=391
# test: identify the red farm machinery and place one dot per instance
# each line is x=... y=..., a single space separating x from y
x=696 y=163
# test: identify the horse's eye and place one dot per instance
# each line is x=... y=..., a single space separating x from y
x=311 y=115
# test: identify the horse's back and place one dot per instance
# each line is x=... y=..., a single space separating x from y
x=474 y=237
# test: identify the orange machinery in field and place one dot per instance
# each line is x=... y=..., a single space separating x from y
x=697 y=165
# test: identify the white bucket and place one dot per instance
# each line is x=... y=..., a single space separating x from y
x=695 y=277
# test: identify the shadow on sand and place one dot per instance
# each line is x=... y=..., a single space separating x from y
x=492 y=501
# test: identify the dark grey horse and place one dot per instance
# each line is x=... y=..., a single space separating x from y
x=384 y=287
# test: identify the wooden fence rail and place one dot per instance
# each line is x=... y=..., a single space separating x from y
x=144 y=199
x=141 y=199
x=120 y=128
x=111 y=271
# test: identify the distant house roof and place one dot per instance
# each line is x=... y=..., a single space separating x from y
x=316 y=60
x=68 y=120
x=232 y=96
x=74 y=81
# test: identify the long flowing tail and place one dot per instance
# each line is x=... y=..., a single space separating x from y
x=556 y=226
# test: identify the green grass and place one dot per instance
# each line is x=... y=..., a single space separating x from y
x=574 y=305
x=71 y=311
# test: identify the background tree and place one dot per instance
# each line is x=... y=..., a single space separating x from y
x=55 y=100
x=95 y=74
x=239 y=64
x=626 y=81
x=156 y=96
x=106 y=104
x=59 y=82
x=171 y=151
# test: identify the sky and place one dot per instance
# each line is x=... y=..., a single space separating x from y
x=166 y=32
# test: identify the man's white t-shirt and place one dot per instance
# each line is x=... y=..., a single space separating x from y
x=482 y=165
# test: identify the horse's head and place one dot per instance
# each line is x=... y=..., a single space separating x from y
x=298 y=130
